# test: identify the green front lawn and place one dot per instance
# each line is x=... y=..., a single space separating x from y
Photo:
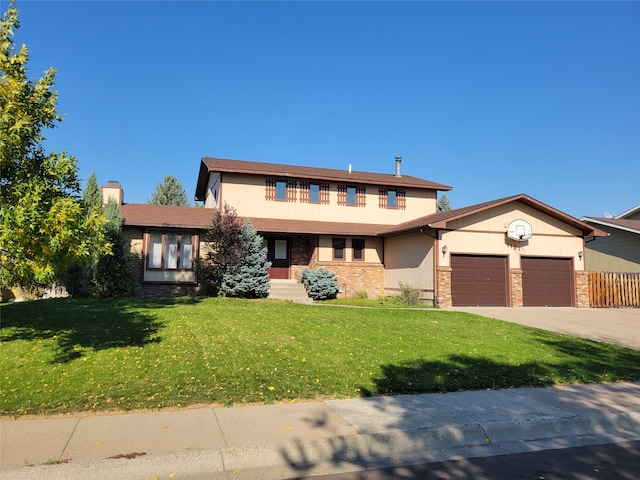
x=77 y=355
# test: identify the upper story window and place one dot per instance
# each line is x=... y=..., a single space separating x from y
x=393 y=198
x=281 y=190
x=314 y=192
x=171 y=251
x=352 y=196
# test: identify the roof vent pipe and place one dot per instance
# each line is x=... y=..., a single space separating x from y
x=398 y=162
x=349 y=168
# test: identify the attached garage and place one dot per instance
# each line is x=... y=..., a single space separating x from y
x=547 y=282
x=479 y=280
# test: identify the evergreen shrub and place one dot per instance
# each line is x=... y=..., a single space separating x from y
x=321 y=284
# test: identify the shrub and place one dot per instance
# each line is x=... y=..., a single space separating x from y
x=361 y=294
x=321 y=284
x=409 y=296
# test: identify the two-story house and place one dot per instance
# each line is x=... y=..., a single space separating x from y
x=374 y=231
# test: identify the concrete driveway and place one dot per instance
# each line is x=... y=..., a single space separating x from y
x=620 y=326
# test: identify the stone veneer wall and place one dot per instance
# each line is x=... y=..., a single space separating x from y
x=516 y=288
x=582 y=289
x=443 y=282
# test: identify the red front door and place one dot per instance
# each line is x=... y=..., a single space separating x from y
x=279 y=256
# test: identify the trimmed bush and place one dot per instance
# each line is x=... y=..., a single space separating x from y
x=321 y=284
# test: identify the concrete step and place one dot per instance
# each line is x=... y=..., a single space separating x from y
x=289 y=290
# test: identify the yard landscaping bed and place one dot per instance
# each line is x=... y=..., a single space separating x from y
x=68 y=355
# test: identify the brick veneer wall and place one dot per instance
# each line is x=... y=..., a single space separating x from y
x=582 y=289
x=157 y=290
x=303 y=254
x=516 y=288
x=355 y=276
x=443 y=281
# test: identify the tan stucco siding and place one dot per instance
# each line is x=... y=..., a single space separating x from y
x=498 y=219
x=246 y=193
x=409 y=260
x=484 y=234
x=133 y=236
x=496 y=243
x=372 y=249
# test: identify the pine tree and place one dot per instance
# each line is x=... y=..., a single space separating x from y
x=250 y=277
x=443 y=204
x=170 y=191
x=112 y=276
x=91 y=195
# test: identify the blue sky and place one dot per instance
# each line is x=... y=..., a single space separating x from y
x=492 y=98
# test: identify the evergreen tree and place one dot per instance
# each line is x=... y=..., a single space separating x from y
x=443 y=204
x=249 y=278
x=91 y=195
x=44 y=228
x=112 y=276
x=170 y=191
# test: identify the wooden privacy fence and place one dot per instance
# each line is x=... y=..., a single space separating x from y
x=609 y=289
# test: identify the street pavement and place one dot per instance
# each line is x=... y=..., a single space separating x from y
x=610 y=461
x=293 y=440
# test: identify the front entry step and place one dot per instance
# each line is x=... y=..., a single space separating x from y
x=289 y=290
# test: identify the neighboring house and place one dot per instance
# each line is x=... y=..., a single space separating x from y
x=620 y=250
x=374 y=231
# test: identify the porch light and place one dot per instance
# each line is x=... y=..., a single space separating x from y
x=444 y=250
x=580 y=254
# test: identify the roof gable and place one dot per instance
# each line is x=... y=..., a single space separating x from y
x=632 y=226
x=441 y=221
x=208 y=165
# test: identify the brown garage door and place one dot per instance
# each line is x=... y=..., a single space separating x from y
x=547 y=282
x=478 y=280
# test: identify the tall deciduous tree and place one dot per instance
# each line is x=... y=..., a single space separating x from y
x=170 y=191
x=44 y=228
x=226 y=247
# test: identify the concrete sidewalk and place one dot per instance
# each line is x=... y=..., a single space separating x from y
x=296 y=439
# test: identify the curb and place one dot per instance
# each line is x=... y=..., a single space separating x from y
x=352 y=452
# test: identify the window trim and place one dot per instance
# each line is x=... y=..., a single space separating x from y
x=271 y=189
x=361 y=195
x=401 y=198
x=335 y=241
x=164 y=234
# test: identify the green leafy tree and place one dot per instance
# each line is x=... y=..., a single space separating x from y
x=170 y=191
x=443 y=204
x=44 y=228
x=249 y=278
